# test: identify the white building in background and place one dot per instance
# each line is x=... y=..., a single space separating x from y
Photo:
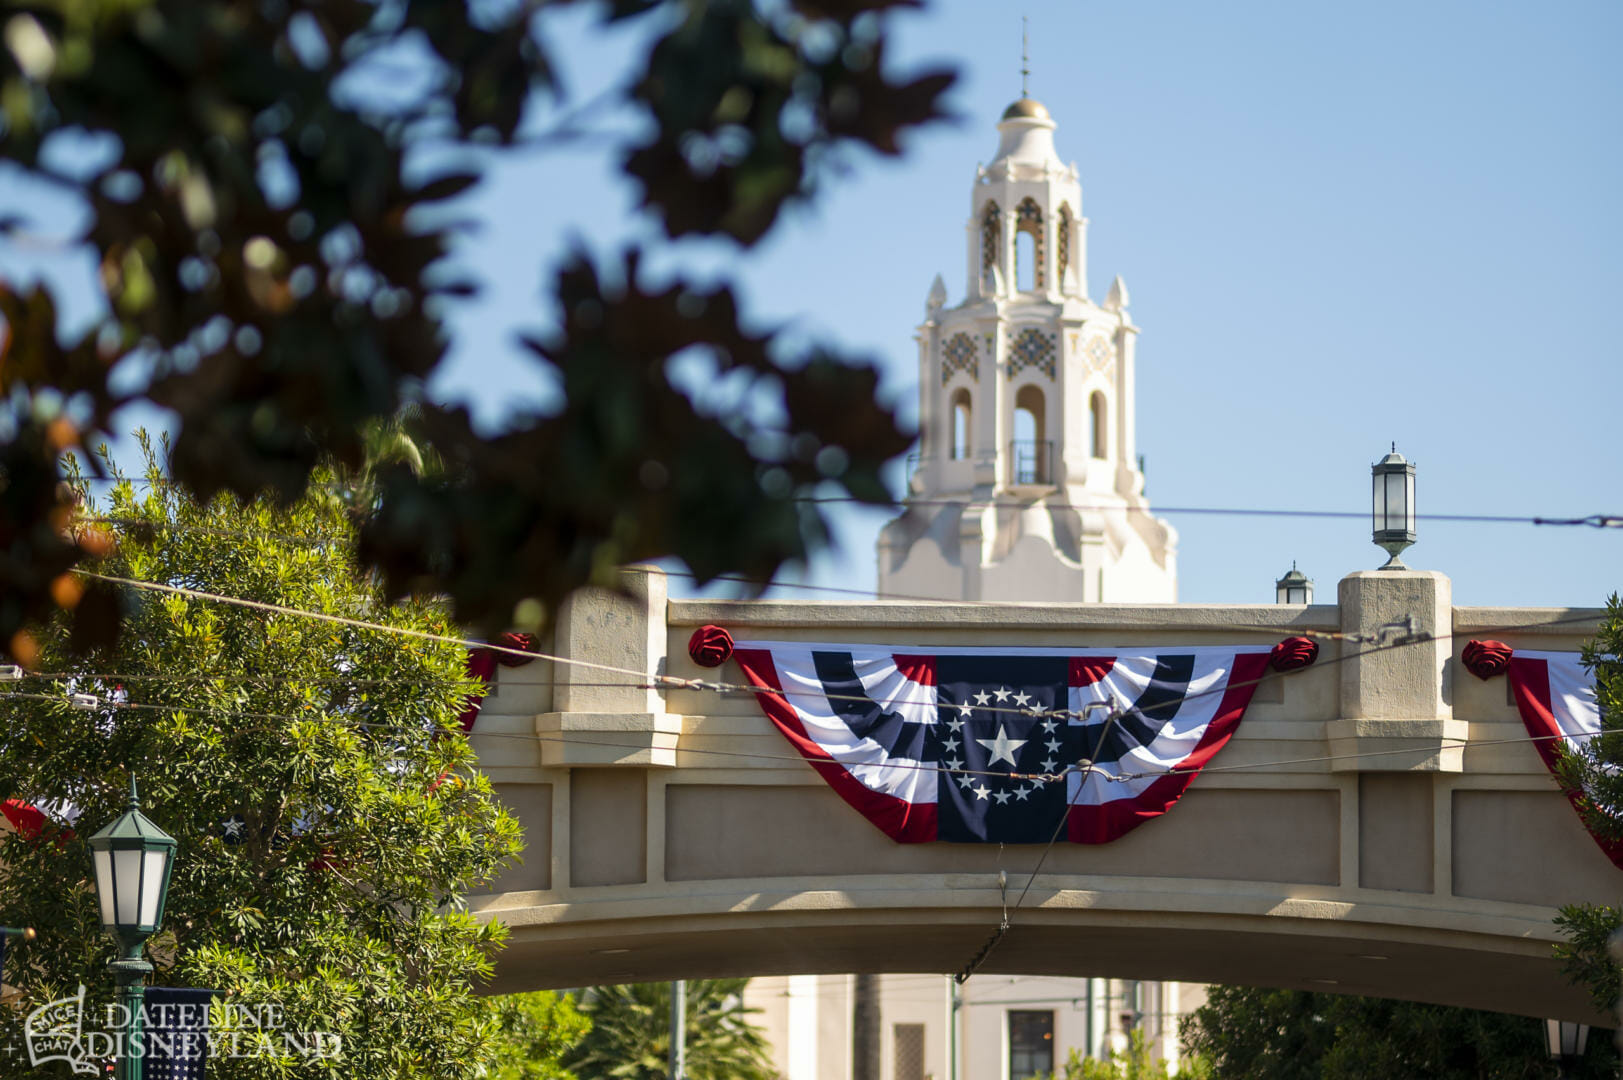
x=1027 y=486
x=1009 y=1027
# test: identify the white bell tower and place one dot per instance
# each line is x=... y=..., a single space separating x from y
x=1027 y=484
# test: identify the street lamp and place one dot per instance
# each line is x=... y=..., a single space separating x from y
x=1565 y=1040
x=1294 y=588
x=1393 y=506
x=132 y=859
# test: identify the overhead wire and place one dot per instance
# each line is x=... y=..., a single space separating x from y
x=1597 y=520
x=676 y=682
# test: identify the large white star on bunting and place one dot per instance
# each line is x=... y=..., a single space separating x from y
x=1002 y=747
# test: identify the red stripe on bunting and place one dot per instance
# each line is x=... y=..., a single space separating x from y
x=1530 y=682
x=902 y=821
x=1111 y=820
x=26 y=819
x=919 y=669
x=1087 y=670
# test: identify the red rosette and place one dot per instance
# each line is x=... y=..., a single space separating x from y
x=1293 y=653
x=1485 y=659
x=710 y=646
x=522 y=642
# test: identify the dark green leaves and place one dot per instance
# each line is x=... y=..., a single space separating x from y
x=265 y=258
x=634 y=467
x=745 y=102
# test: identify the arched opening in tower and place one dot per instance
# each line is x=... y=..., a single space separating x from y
x=1029 y=271
x=960 y=424
x=1030 y=453
x=1098 y=416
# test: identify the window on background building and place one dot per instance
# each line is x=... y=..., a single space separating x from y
x=907 y=1051
x=1031 y=1043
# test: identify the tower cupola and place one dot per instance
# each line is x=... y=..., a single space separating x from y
x=1027 y=485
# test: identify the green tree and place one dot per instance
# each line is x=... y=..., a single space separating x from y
x=1595 y=774
x=535 y=1032
x=630 y=1037
x=282 y=276
x=1261 y=1034
x=328 y=814
x=1137 y=1063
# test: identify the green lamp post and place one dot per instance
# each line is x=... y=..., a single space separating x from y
x=132 y=858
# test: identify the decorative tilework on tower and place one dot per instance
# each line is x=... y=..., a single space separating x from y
x=959 y=355
x=1032 y=348
x=1100 y=353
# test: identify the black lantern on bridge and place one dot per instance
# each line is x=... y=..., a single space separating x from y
x=1294 y=588
x=1393 y=506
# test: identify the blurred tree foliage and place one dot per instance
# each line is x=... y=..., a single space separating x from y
x=267 y=255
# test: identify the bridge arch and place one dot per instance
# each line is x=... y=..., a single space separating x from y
x=1412 y=844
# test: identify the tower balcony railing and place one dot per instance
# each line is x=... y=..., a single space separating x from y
x=1031 y=462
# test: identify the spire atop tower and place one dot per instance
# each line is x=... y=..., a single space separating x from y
x=1025 y=58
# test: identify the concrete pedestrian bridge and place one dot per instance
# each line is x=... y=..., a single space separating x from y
x=1378 y=824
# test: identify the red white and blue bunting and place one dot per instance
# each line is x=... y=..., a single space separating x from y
x=1555 y=695
x=981 y=745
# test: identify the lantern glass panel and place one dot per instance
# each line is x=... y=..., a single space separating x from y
x=1399 y=513
x=1379 y=521
x=1298 y=594
x=104 y=887
x=152 y=885
x=1281 y=595
x=127 y=885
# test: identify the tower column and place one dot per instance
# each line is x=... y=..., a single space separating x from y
x=976 y=276
x=1011 y=283
x=1127 y=475
x=989 y=413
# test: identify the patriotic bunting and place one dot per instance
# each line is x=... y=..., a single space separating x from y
x=975 y=745
x=1556 y=698
x=481 y=665
x=176 y=1037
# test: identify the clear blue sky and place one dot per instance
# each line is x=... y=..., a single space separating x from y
x=1342 y=225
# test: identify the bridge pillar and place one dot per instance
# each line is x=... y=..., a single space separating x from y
x=602 y=716
x=1397 y=703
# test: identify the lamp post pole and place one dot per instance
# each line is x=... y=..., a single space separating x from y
x=129 y=975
